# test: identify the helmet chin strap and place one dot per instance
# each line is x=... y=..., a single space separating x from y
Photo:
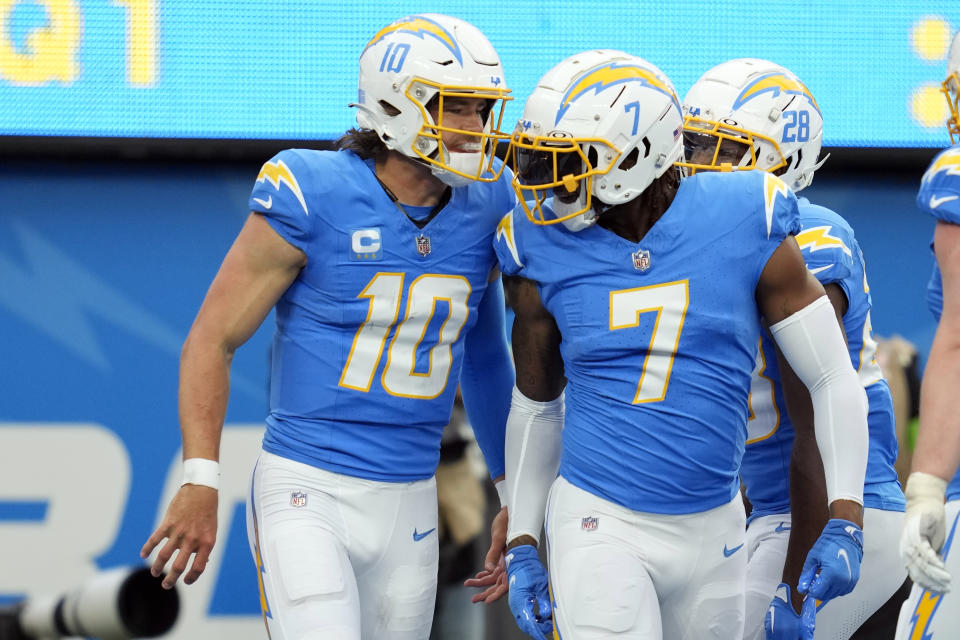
x=580 y=222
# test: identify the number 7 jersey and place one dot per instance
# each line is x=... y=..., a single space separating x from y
x=370 y=336
x=658 y=338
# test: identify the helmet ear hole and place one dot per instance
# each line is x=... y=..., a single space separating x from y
x=646 y=146
x=388 y=108
x=592 y=157
x=630 y=161
x=794 y=161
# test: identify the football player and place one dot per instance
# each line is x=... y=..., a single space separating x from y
x=754 y=114
x=638 y=300
x=933 y=609
x=378 y=259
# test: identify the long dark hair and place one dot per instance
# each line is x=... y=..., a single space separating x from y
x=363 y=142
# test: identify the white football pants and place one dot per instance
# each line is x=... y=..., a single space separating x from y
x=927 y=615
x=620 y=573
x=881 y=574
x=342 y=557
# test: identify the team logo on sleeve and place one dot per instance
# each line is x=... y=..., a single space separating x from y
x=505 y=231
x=298 y=499
x=819 y=238
x=277 y=173
x=772 y=185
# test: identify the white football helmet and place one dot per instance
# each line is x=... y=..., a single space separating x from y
x=415 y=59
x=600 y=125
x=951 y=89
x=753 y=114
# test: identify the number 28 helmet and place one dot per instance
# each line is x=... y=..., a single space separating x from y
x=410 y=62
x=597 y=130
x=951 y=89
x=753 y=114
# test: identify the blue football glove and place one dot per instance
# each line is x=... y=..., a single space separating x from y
x=783 y=623
x=529 y=598
x=832 y=567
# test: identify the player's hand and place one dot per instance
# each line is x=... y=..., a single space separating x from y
x=924 y=528
x=493 y=578
x=529 y=598
x=189 y=527
x=782 y=622
x=832 y=567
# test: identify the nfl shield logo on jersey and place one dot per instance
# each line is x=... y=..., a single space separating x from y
x=641 y=260
x=589 y=523
x=423 y=245
x=298 y=499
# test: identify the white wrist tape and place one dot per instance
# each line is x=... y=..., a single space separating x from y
x=924 y=487
x=533 y=445
x=501 y=488
x=813 y=344
x=202 y=472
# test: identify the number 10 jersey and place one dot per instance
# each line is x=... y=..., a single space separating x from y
x=370 y=336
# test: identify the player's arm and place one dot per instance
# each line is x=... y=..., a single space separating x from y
x=533 y=445
x=804 y=326
x=256 y=271
x=536 y=413
x=486 y=380
x=808 y=489
x=937 y=452
x=486 y=377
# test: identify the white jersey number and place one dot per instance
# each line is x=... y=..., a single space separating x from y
x=384 y=292
x=669 y=301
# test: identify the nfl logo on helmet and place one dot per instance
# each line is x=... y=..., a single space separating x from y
x=298 y=499
x=641 y=260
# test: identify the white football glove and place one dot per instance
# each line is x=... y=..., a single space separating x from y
x=924 y=529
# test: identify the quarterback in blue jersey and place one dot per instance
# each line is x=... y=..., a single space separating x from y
x=728 y=119
x=638 y=300
x=929 y=541
x=379 y=261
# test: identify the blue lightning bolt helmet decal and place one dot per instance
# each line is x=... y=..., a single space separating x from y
x=610 y=75
x=776 y=83
x=421 y=27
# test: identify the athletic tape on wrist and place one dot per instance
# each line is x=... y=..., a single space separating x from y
x=201 y=471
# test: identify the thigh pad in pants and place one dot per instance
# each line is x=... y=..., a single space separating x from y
x=606 y=589
x=307 y=559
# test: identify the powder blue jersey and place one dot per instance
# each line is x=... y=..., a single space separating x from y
x=659 y=338
x=834 y=257
x=939 y=196
x=370 y=336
